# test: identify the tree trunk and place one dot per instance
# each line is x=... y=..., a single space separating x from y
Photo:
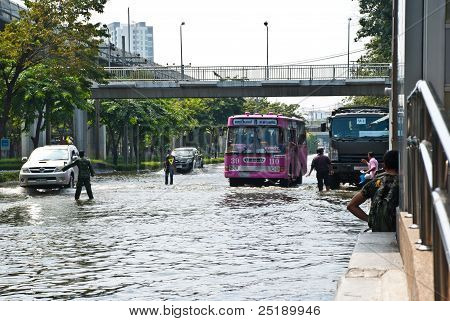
x=48 y=125
x=37 y=132
x=114 y=144
x=7 y=103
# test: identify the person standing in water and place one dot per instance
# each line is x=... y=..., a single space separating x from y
x=169 y=167
x=85 y=171
x=322 y=165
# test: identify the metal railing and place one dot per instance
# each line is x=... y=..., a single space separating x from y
x=249 y=73
x=427 y=180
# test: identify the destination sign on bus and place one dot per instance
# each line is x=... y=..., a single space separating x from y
x=252 y=122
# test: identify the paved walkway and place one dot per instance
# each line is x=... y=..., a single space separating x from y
x=375 y=271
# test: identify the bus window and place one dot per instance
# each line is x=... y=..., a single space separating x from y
x=292 y=136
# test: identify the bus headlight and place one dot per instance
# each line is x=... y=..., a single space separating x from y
x=334 y=155
x=233 y=168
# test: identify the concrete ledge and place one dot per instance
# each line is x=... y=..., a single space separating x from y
x=418 y=264
x=375 y=271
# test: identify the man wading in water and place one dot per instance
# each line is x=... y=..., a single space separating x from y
x=85 y=171
x=322 y=165
x=169 y=167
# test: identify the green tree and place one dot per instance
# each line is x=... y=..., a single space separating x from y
x=48 y=97
x=263 y=106
x=375 y=24
x=56 y=33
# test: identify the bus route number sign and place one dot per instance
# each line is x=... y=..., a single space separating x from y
x=252 y=122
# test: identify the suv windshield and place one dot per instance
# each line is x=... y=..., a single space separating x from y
x=182 y=152
x=49 y=155
x=254 y=140
x=360 y=126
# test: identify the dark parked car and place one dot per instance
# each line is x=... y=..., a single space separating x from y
x=187 y=158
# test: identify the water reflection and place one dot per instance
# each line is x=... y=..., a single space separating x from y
x=196 y=240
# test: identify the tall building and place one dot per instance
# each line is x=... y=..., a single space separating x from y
x=9 y=11
x=141 y=38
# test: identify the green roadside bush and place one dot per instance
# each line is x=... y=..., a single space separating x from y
x=9 y=176
x=8 y=164
x=217 y=160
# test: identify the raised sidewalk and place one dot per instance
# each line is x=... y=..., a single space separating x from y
x=375 y=271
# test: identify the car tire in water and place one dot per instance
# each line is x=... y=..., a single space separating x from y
x=71 y=182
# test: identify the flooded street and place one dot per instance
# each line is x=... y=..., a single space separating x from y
x=196 y=240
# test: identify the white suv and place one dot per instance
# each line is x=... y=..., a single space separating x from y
x=43 y=168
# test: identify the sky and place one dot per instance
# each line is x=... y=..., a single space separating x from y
x=232 y=32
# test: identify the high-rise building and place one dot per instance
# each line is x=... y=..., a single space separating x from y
x=9 y=11
x=141 y=38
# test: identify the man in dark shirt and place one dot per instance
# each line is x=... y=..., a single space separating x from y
x=85 y=171
x=322 y=165
x=384 y=193
x=169 y=167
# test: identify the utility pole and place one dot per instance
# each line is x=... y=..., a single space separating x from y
x=267 y=49
x=181 y=48
x=393 y=110
x=348 y=48
x=129 y=31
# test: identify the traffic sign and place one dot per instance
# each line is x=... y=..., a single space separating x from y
x=5 y=143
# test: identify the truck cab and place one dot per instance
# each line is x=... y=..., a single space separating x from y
x=355 y=131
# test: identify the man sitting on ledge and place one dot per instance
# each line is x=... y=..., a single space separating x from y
x=383 y=191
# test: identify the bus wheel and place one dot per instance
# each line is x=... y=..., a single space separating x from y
x=334 y=181
x=300 y=179
x=235 y=182
x=285 y=182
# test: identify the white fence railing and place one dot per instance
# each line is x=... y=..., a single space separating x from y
x=249 y=73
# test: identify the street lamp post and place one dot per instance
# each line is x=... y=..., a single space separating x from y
x=181 y=48
x=267 y=49
x=348 y=48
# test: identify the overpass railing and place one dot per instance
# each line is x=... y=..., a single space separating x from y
x=427 y=176
x=249 y=73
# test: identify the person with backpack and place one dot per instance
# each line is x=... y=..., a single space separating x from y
x=383 y=190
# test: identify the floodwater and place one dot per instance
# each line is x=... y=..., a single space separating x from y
x=196 y=240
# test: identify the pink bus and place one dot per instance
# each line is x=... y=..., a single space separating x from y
x=264 y=148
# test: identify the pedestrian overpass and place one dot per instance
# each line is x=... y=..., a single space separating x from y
x=141 y=82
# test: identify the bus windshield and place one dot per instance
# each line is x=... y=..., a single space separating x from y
x=248 y=140
x=362 y=126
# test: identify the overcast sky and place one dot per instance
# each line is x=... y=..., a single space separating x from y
x=232 y=32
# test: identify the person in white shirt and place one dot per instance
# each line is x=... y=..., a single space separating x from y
x=372 y=166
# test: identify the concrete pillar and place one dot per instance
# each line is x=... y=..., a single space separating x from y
x=434 y=45
x=26 y=143
x=125 y=144
x=80 y=130
x=92 y=147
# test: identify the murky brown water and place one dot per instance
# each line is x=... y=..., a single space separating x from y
x=196 y=240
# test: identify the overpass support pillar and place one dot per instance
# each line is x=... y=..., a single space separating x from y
x=26 y=142
x=80 y=130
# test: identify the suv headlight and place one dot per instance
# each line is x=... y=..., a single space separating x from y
x=334 y=154
x=58 y=169
x=25 y=170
